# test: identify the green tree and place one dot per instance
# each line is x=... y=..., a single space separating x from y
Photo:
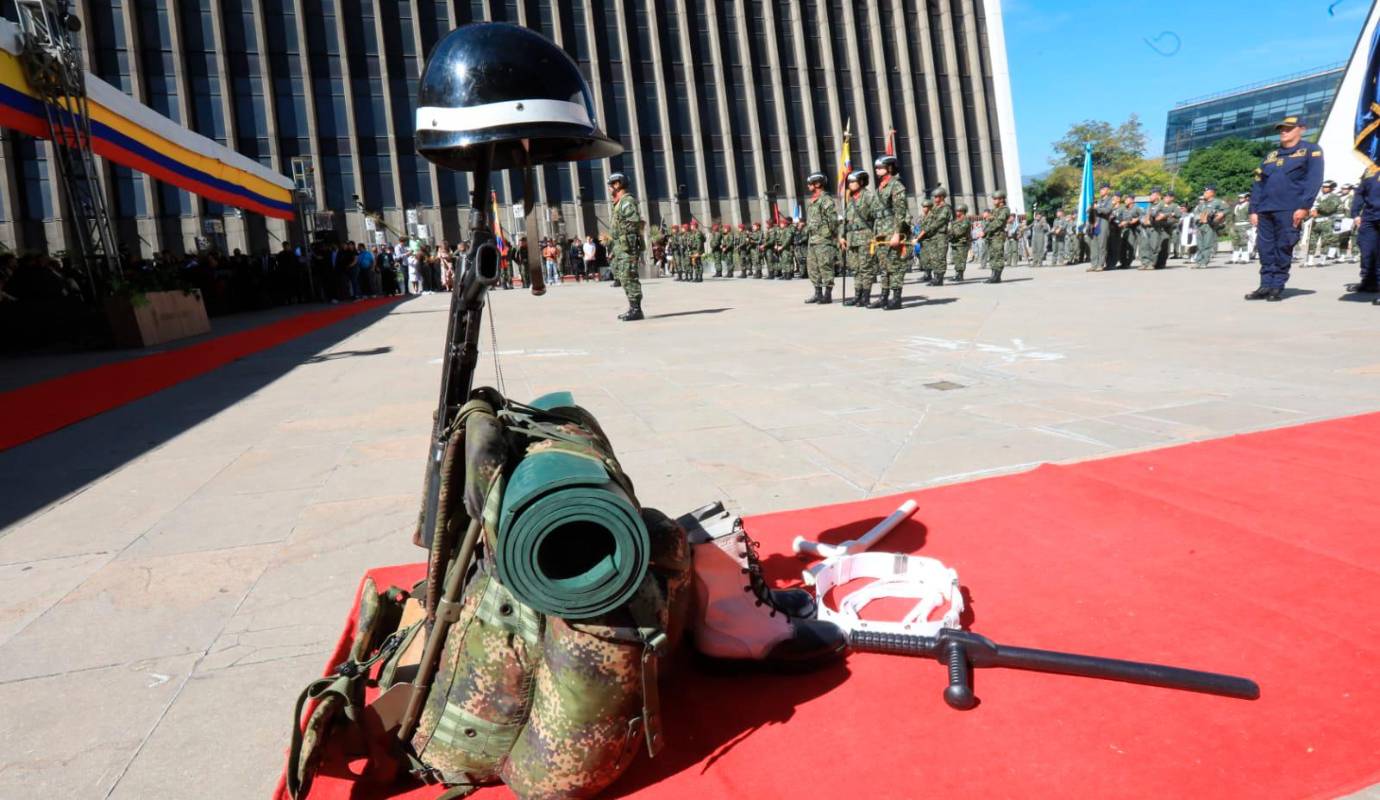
x=1058 y=189
x=1145 y=174
x=1229 y=165
x=1114 y=148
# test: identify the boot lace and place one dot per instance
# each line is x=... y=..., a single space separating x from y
x=756 y=583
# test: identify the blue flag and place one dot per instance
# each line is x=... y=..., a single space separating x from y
x=1368 y=108
x=1085 y=195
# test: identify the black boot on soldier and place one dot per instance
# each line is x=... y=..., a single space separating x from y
x=633 y=313
x=895 y=302
x=828 y=295
x=818 y=297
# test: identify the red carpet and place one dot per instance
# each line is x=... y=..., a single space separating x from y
x=44 y=407
x=1255 y=555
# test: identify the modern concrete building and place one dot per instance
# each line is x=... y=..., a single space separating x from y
x=1250 y=112
x=722 y=105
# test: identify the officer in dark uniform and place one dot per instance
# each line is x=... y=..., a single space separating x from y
x=1281 y=197
x=1365 y=213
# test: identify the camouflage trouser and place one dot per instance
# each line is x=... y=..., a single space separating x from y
x=934 y=254
x=1061 y=249
x=1321 y=236
x=819 y=263
x=996 y=252
x=1240 y=236
x=1207 y=245
x=960 y=259
x=891 y=267
x=696 y=266
x=625 y=266
x=863 y=265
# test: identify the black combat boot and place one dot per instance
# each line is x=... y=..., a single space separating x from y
x=633 y=313
x=828 y=295
x=1275 y=295
x=818 y=297
x=938 y=279
x=894 y=304
x=880 y=302
x=863 y=297
x=1259 y=294
x=1366 y=286
x=958 y=276
x=996 y=276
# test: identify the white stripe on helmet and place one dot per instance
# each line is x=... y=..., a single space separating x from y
x=507 y=112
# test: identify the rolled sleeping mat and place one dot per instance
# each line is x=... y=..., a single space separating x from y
x=571 y=543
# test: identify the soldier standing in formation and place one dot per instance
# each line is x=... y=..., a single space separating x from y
x=737 y=246
x=891 y=226
x=1241 y=230
x=755 y=248
x=1060 y=232
x=1210 y=215
x=800 y=239
x=1105 y=244
x=1039 y=240
x=1153 y=233
x=695 y=242
x=961 y=239
x=625 y=226
x=1365 y=215
x=822 y=228
x=1127 y=219
x=934 y=237
x=1326 y=212
x=995 y=233
x=859 y=213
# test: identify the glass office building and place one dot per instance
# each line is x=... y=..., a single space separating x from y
x=723 y=106
x=1250 y=112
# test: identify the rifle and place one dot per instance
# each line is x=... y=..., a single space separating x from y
x=479 y=271
x=961 y=651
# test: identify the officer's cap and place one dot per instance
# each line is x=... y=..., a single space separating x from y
x=1290 y=122
x=1209 y=188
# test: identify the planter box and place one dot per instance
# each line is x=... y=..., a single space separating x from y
x=159 y=317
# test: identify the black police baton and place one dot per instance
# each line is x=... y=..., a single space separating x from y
x=961 y=651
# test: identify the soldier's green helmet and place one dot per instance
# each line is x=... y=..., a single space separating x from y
x=962 y=208
x=940 y=192
x=999 y=194
x=498 y=85
x=620 y=179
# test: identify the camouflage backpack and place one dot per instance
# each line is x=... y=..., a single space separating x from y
x=552 y=705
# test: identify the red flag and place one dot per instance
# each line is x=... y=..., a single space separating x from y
x=775 y=214
x=891 y=142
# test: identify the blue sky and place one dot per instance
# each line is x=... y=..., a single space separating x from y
x=1077 y=60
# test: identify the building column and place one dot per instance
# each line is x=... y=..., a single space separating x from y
x=571 y=169
x=634 y=129
x=663 y=99
x=912 y=116
x=790 y=181
x=354 y=221
x=190 y=225
x=456 y=223
x=692 y=89
x=277 y=228
x=759 y=162
x=538 y=174
x=318 y=188
x=859 y=99
x=831 y=82
x=802 y=64
x=725 y=117
x=874 y=28
x=936 y=119
x=1006 y=116
x=979 y=89
x=236 y=231
x=9 y=191
x=597 y=88
x=385 y=77
x=946 y=31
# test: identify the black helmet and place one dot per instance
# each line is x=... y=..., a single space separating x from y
x=858 y=175
x=508 y=86
x=815 y=177
x=889 y=162
x=620 y=179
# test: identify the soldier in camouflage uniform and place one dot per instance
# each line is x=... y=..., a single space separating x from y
x=800 y=240
x=934 y=237
x=892 y=224
x=1059 y=232
x=961 y=239
x=771 y=253
x=1153 y=231
x=995 y=228
x=1210 y=217
x=1039 y=239
x=821 y=227
x=696 y=246
x=741 y=259
x=1241 y=229
x=1173 y=219
x=859 y=213
x=625 y=227
x=753 y=247
x=1127 y=220
x=926 y=206
x=1326 y=211
x=712 y=243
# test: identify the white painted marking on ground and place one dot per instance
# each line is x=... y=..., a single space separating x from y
x=549 y=353
x=1017 y=351
x=158 y=679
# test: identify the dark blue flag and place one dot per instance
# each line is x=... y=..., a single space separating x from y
x=1368 y=109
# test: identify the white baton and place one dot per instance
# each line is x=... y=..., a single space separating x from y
x=804 y=546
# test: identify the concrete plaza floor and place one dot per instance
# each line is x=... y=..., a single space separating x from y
x=177 y=569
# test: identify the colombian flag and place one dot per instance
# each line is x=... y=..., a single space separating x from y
x=847 y=162
x=500 y=242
